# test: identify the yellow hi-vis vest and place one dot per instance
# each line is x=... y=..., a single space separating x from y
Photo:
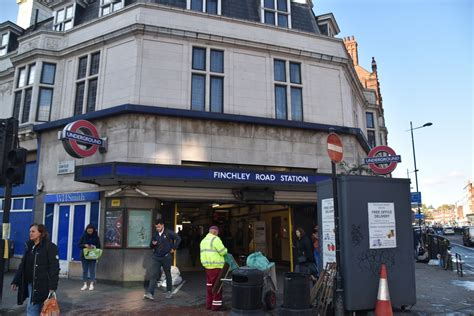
x=212 y=252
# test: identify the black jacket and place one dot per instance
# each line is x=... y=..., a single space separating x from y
x=87 y=239
x=45 y=274
x=304 y=247
x=167 y=241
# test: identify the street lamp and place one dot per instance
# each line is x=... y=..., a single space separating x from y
x=414 y=160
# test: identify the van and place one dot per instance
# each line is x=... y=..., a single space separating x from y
x=468 y=236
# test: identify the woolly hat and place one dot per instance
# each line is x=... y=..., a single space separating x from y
x=214 y=227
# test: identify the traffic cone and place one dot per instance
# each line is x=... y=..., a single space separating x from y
x=383 y=306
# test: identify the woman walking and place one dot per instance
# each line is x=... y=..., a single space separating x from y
x=38 y=273
x=90 y=240
x=303 y=252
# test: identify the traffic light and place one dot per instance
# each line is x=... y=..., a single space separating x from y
x=8 y=134
x=16 y=165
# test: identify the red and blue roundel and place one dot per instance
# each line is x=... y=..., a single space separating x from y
x=81 y=139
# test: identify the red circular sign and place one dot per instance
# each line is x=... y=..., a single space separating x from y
x=335 y=148
x=81 y=139
x=382 y=151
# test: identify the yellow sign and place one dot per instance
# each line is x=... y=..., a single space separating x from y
x=115 y=202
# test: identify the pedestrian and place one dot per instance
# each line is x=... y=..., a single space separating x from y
x=90 y=240
x=38 y=274
x=164 y=243
x=315 y=240
x=212 y=259
x=194 y=241
x=303 y=252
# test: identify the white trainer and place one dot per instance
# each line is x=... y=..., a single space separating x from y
x=91 y=286
x=84 y=287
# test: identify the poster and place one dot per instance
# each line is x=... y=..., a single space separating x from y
x=328 y=231
x=382 y=232
x=139 y=229
x=260 y=236
x=113 y=229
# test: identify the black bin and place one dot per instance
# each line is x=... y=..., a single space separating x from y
x=247 y=286
x=296 y=294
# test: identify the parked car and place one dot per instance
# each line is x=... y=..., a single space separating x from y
x=448 y=230
x=468 y=236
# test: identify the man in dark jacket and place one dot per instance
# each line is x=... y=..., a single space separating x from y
x=38 y=273
x=164 y=243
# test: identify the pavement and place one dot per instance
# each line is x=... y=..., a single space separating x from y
x=439 y=292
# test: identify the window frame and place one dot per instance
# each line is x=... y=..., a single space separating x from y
x=60 y=26
x=372 y=140
x=204 y=7
x=276 y=13
x=209 y=78
x=45 y=86
x=289 y=87
x=26 y=86
x=111 y=4
x=4 y=47
x=86 y=80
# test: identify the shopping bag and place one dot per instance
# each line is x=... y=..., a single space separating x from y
x=92 y=254
x=50 y=306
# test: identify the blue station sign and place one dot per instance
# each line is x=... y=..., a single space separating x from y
x=416 y=197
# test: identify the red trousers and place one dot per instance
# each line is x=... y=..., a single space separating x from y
x=213 y=301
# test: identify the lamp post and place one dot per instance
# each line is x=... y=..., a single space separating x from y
x=414 y=161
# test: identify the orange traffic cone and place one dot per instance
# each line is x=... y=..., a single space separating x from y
x=383 y=306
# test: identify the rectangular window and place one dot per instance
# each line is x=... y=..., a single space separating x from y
x=17 y=204
x=78 y=102
x=109 y=6
x=371 y=138
x=204 y=76
x=369 y=116
x=29 y=203
x=197 y=5
x=31 y=74
x=91 y=95
x=217 y=61
x=279 y=70
x=217 y=94
x=198 y=92
x=276 y=12
x=296 y=104
x=64 y=18
x=211 y=6
x=288 y=89
x=87 y=83
x=280 y=102
x=82 y=68
x=4 y=39
x=17 y=105
x=25 y=117
x=21 y=77
x=45 y=100
x=199 y=58
x=48 y=73
x=208 y=6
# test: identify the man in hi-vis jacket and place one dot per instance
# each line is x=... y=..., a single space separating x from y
x=212 y=258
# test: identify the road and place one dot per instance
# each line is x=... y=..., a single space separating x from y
x=467 y=253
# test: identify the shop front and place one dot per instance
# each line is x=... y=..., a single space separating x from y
x=255 y=210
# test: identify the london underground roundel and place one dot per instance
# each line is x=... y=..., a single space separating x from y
x=81 y=139
x=382 y=159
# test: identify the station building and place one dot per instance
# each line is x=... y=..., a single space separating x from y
x=212 y=112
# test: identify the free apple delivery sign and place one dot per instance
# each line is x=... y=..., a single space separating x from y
x=81 y=139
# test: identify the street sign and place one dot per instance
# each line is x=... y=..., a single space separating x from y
x=382 y=159
x=81 y=139
x=419 y=216
x=335 y=148
x=416 y=197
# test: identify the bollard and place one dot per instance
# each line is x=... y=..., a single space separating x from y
x=296 y=295
x=247 y=287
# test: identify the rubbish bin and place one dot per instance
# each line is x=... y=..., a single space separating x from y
x=247 y=286
x=296 y=294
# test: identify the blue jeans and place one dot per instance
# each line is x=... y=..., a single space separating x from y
x=32 y=309
x=88 y=270
x=157 y=263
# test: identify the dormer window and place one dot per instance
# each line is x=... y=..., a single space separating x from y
x=64 y=18
x=276 y=12
x=3 y=44
x=109 y=6
x=207 y=6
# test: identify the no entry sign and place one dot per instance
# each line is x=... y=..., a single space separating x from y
x=382 y=160
x=335 y=148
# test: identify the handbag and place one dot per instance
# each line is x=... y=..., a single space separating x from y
x=92 y=254
x=50 y=306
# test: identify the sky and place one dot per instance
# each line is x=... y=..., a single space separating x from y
x=424 y=54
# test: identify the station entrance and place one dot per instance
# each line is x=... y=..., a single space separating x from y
x=243 y=228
